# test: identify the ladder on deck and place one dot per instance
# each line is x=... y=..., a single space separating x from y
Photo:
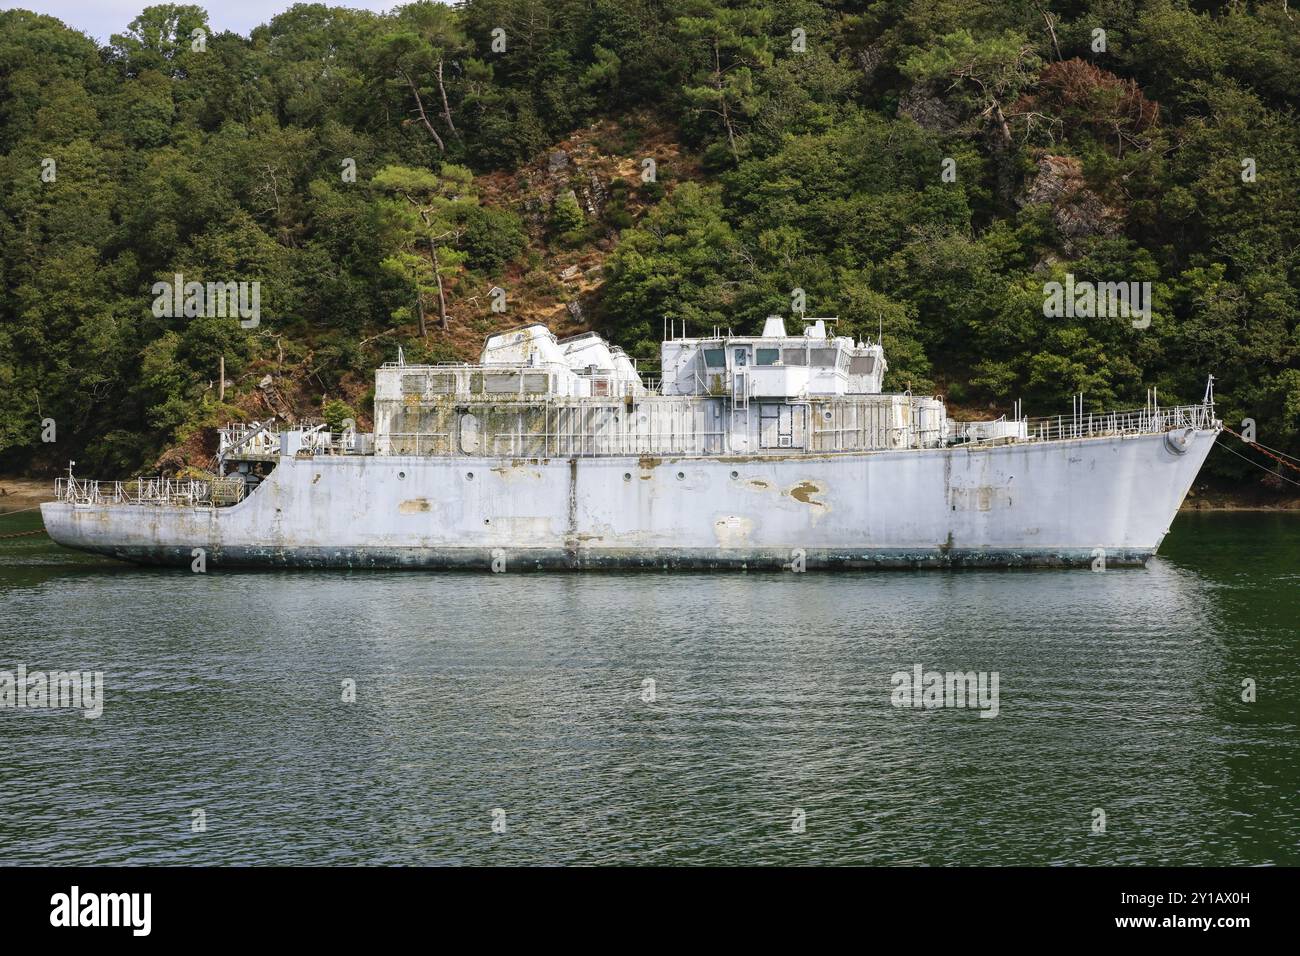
x=740 y=390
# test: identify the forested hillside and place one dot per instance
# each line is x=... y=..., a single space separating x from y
x=924 y=166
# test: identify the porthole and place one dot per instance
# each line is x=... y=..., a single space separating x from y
x=401 y=475
x=681 y=475
x=735 y=474
x=627 y=476
x=469 y=476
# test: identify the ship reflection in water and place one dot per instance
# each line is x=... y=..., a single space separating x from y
x=653 y=718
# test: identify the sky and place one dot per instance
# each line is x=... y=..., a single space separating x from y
x=102 y=18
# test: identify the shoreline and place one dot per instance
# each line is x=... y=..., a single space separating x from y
x=1228 y=507
x=24 y=494
x=1248 y=499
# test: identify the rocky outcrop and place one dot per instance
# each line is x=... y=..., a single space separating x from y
x=929 y=111
x=1077 y=212
x=595 y=194
x=869 y=59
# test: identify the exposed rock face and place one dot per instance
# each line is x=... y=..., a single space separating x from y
x=596 y=194
x=556 y=161
x=869 y=59
x=1077 y=212
x=927 y=109
x=534 y=211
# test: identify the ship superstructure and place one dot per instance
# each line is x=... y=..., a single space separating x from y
x=776 y=450
x=533 y=396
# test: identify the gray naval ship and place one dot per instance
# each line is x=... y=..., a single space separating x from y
x=753 y=452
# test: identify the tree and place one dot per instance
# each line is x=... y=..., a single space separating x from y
x=779 y=168
x=986 y=75
x=425 y=211
x=566 y=214
x=425 y=36
x=735 y=44
x=162 y=39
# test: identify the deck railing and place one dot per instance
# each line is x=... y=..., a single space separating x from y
x=567 y=436
x=571 y=432
x=177 y=492
x=335 y=443
x=240 y=442
x=1143 y=421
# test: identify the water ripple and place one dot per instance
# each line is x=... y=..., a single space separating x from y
x=771 y=708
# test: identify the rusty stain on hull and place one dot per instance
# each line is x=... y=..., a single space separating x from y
x=890 y=509
x=804 y=492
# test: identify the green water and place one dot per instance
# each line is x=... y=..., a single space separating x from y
x=1118 y=692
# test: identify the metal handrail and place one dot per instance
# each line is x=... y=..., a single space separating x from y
x=877 y=433
x=1144 y=421
x=177 y=492
x=570 y=442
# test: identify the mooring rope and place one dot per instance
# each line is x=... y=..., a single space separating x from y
x=21 y=534
x=1264 y=451
x=1259 y=444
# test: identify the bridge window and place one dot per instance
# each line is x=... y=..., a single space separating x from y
x=794 y=356
x=862 y=365
x=766 y=356
x=715 y=358
x=501 y=382
x=824 y=357
x=443 y=383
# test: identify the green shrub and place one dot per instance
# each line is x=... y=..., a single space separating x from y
x=492 y=237
x=566 y=215
x=335 y=412
x=651 y=192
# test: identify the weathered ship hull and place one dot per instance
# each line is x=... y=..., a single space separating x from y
x=1016 y=504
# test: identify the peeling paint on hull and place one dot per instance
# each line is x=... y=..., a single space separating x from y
x=1036 y=504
